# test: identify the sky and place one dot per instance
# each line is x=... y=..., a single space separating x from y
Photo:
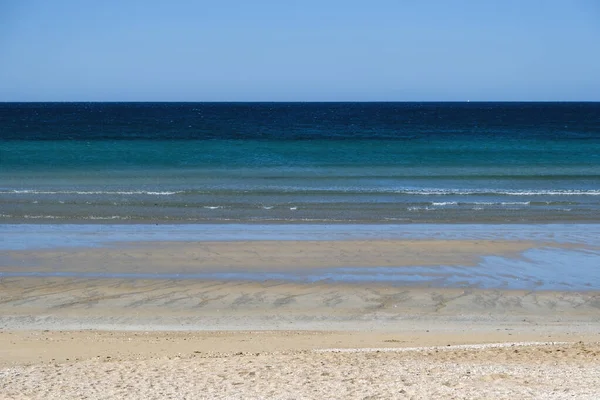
x=309 y=50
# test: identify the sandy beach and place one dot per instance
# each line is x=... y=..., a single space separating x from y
x=147 y=365
x=95 y=338
x=104 y=335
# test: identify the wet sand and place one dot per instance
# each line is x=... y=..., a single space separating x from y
x=182 y=257
x=501 y=264
x=126 y=304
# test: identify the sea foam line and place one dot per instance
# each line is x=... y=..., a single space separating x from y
x=302 y=190
x=89 y=217
x=481 y=346
x=445 y=192
x=91 y=192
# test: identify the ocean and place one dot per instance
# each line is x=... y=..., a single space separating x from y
x=260 y=163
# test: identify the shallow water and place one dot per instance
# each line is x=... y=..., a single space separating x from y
x=31 y=236
x=567 y=258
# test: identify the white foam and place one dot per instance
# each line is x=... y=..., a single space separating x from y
x=92 y=217
x=41 y=216
x=481 y=346
x=498 y=203
x=463 y=192
x=91 y=192
x=415 y=208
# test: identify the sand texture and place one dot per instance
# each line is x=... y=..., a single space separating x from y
x=108 y=336
x=186 y=339
x=552 y=371
x=155 y=304
x=186 y=257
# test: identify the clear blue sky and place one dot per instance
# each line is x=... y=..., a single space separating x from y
x=258 y=50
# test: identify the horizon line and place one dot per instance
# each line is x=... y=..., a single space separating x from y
x=295 y=101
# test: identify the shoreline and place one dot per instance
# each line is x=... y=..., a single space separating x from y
x=124 y=337
x=31 y=236
x=500 y=257
x=101 y=221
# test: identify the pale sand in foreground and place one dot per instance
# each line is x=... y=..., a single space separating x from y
x=114 y=338
x=109 y=365
x=274 y=362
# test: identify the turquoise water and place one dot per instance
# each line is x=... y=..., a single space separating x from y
x=300 y=162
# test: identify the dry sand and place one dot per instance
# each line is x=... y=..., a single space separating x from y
x=63 y=338
x=186 y=366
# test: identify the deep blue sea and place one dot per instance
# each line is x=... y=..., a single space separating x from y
x=299 y=162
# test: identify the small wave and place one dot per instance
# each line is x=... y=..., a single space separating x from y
x=160 y=193
x=420 y=208
x=496 y=203
x=513 y=203
x=414 y=192
x=409 y=191
x=305 y=190
x=42 y=217
x=106 y=218
x=91 y=192
x=554 y=203
x=497 y=192
x=481 y=203
x=89 y=217
x=213 y=207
